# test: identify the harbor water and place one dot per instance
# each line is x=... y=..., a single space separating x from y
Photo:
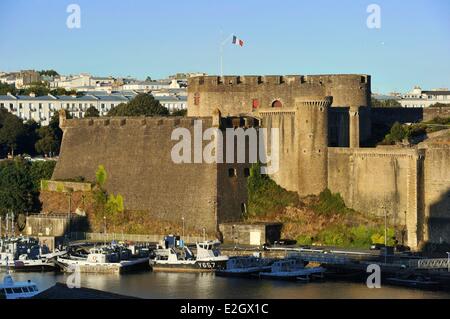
x=160 y=285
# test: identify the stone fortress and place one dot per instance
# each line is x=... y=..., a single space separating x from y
x=324 y=123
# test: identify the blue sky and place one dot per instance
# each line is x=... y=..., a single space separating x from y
x=158 y=38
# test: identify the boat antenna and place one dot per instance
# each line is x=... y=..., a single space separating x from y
x=7 y=224
x=12 y=224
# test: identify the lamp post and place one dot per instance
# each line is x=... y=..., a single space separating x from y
x=104 y=221
x=182 y=220
x=385 y=232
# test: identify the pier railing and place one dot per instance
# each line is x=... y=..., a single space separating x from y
x=75 y=236
x=433 y=263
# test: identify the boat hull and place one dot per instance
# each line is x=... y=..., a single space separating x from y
x=244 y=273
x=187 y=266
x=70 y=265
x=304 y=274
x=29 y=266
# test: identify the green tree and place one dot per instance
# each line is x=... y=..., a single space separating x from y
x=17 y=191
x=63 y=91
x=101 y=176
x=266 y=197
x=41 y=170
x=50 y=136
x=48 y=142
x=37 y=88
x=141 y=105
x=31 y=137
x=397 y=134
x=179 y=112
x=12 y=131
x=385 y=103
x=438 y=104
x=5 y=88
x=92 y=112
x=48 y=72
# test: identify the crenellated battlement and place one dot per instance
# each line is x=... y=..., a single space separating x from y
x=176 y=121
x=329 y=79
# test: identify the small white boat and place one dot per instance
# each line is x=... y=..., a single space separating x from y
x=177 y=258
x=244 y=266
x=11 y=289
x=291 y=269
x=101 y=260
x=25 y=254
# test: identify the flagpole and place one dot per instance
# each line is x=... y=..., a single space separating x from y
x=221 y=52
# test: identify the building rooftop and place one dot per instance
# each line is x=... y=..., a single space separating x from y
x=88 y=97
x=436 y=92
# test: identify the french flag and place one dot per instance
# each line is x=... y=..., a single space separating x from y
x=238 y=41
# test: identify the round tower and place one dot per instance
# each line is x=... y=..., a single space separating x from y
x=312 y=137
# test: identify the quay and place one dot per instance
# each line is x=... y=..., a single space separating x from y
x=62 y=291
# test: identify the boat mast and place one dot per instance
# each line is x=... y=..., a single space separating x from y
x=7 y=225
x=12 y=224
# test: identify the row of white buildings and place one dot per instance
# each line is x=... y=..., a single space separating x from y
x=103 y=93
x=422 y=98
x=42 y=108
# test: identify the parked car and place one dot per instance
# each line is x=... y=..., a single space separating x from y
x=402 y=248
x=376 y=246
x=285 y=242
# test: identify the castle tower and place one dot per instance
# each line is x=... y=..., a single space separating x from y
x=312 y=133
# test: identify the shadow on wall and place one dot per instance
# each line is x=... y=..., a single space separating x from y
x=438 y=226
x=384 y=117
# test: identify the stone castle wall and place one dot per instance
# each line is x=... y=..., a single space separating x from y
x=379 y=180
x=136 y=153
x=435 y=223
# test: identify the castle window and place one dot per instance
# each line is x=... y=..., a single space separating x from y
x=196 y=99
x=231 y=172
x=255 y=103
x=246 y=172
x=277 y=103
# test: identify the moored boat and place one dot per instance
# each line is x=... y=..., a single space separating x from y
x=102 y=260
x=175 y=257
x=414 y=281
x=244 y=266
x=291 y=269
x=11 y=289
x=26 y=254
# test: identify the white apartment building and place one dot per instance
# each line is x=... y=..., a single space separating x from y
x=419 y=98
x=42 y=108
x=173 y=102
x=145 y=86
x=81 y=82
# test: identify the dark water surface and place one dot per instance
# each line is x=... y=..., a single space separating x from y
x=193 y=285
